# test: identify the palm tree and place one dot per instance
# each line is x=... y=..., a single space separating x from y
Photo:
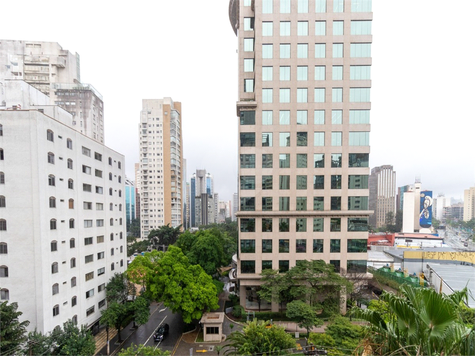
x=419 y=321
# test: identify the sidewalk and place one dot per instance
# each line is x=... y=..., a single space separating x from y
x=114 y=347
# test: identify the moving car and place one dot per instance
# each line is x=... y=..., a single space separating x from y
x=161 y=332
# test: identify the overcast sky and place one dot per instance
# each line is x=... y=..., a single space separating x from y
x=423 y=79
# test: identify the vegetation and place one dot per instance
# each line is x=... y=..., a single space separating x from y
x=304 y=313
x=133 y=228
x=143 y=350
x=419 y=321
x=69 y=340
x=259 y=337
x=137 y=246
x=315 y=282
x=12 y=331
x=171 y=278
x=164 y=236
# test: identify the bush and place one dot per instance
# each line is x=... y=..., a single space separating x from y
x=219 y=286
x=234 y=299
x=238 y=311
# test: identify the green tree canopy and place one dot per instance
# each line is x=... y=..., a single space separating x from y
x=259 y=338
x=12 y=331
x=119 y=288
x=171 y=278
x=420 y=321
x=304 y=313
x=165 y=235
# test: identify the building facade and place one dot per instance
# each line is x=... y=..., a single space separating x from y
x=303 y=126
x=62 y=222
x=161 y=162
x=129 y=201
x=382 y=195
x=469 y=204
x=56 y=73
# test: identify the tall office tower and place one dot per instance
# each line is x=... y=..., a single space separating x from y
x=56 y=73
x=439 y=204
x=235 y=206
x=129 y=201
x=400 y=196
x=469 y=204
x=303 y=108
x=137 y=190
x=188 y=206
x=62 y=222
x=161 y=162
x=382 y=195
x=203 y=201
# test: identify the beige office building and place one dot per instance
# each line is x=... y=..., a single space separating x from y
x=161 y=162
x=382 y=195
x=303 y=108
x=469 y=204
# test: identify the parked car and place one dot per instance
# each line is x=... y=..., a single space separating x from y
x=161 y=332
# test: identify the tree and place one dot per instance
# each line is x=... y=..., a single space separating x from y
x=143 y=350
x=133 y=227
x=165 y=235
x=119 y=288
x=420 y=321
x=12 y=331
x=259 y=337
x=69 y=340
x=141 y=310
x=137 y=246
x=304 y=313
x=207 y=251
x=114 y=316
x=171 y=278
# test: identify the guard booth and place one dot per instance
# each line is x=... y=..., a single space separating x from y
x=212 y=324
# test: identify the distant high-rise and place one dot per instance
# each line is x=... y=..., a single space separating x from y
x=469 y=204
x=161 y=162
x=204 y=204
x=304 y=120
x=382 y=195
x=56 y=73
x=129 y=200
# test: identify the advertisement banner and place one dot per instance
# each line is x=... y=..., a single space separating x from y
x=425 y=217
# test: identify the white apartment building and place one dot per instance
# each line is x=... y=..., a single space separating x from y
x=56 y=73
x=161 y=162
x=62 y=212
x=382 y=195
x=304 y=123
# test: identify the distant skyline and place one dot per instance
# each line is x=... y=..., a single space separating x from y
x=421 y=79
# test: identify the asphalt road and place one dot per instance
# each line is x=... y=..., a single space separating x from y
x=159 y=315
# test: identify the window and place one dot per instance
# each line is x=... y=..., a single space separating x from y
x=98 y=156
x=336 y=182
x=248 y=266
x=101 y=304
x=111 y=236
x=267 y=6
x=267 y=117
x=89 y=293
x=267 y=139
x=98 y=173
x=249 y=85
x=99 y=206
x=3 y=201
x=318 y=203
x=267 y=203
x=112 y=266
x=284 y=73
x=338 y=28
x=320 y=50
x=358 y=160
x=72 y=243
x=267 y=96
x=3 y=248
x=99 y=222
x=358 y=139
x=267 y=73
x=335 y=245
x=284 y=182
x=284 y=50
x=301 y=226
x=70 y=163
x=111 y=222
x=74 y=301
x=54 y=267
x=119 y=165
x=248 y=161
x=284 y=203
x=248 y=246
x=70 y=184
x=86 y=169
x=335 y=224
x=87 y=223
x=89 y=276
x=302 y=50
x=361 y=27
x=302 y=6
x=285 y=27
x=360 y=73
x=302 y=95
x=356 y=266
x=87 y=188
x=301 y=203
x=335 y=203
x=283 y=266
x=358 y=203
x=360 y=50
x=52 y=224
x=50 y=135
x=337 y=73
x=249 y=24
x=86 y=151
x=318 y=224
x=101 y=271
x=99 y=190
x=301 y=117
x=301 y=160
x=319 y=95
x=71 y=203
x=1 y=154
x=284 y=95
x=283 y=224
x=357 y=182
x=300 y=245
x=319 y=138
x=73 y=282
x=71 y=223
x=320 y=28
x=336 y=138
x=1 y=130
x=87 y=205
x=87 y=241
x=110 y=191
x=3 y=225
x=267 y=51
x=248 y=139
x=338 y=5
x=357 y=245
x=302 y=28
x=284 y=139
x=360 y=95
x=4 y=294
x=248 y=204
x=301 y=182
x=101 y=288
x=248 y=65
x=88 y=258
x=319 y=160
x=319 y=73
x=56 y=310
x=248 y=182
x=318 y=182
x=248 y=45
x=2 y=178
x=266 y=264
x=248 y=225
x=51 y=180
x=266 y=182
x=267 y=245
x=337 y=95
x=318 y=246
x=357 y=224
x=361 y=6
x=100 y=239
x=338 y=50
x=90 y=311
x=69 y=143
x=267 y=28
x=284 y=245
x=55 y=289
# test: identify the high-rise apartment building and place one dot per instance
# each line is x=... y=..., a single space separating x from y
x=62 y=214
x=469 y=204
x=129 y=201
x=56 y=73
x=161 y=162
x=382 y=195
x=303 y=108
x=203 y=200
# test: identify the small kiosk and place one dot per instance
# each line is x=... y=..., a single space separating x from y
x=212 y=324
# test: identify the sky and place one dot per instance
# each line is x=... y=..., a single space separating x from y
x=422 y=79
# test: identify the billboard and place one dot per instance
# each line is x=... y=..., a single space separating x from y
x=425 y=216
